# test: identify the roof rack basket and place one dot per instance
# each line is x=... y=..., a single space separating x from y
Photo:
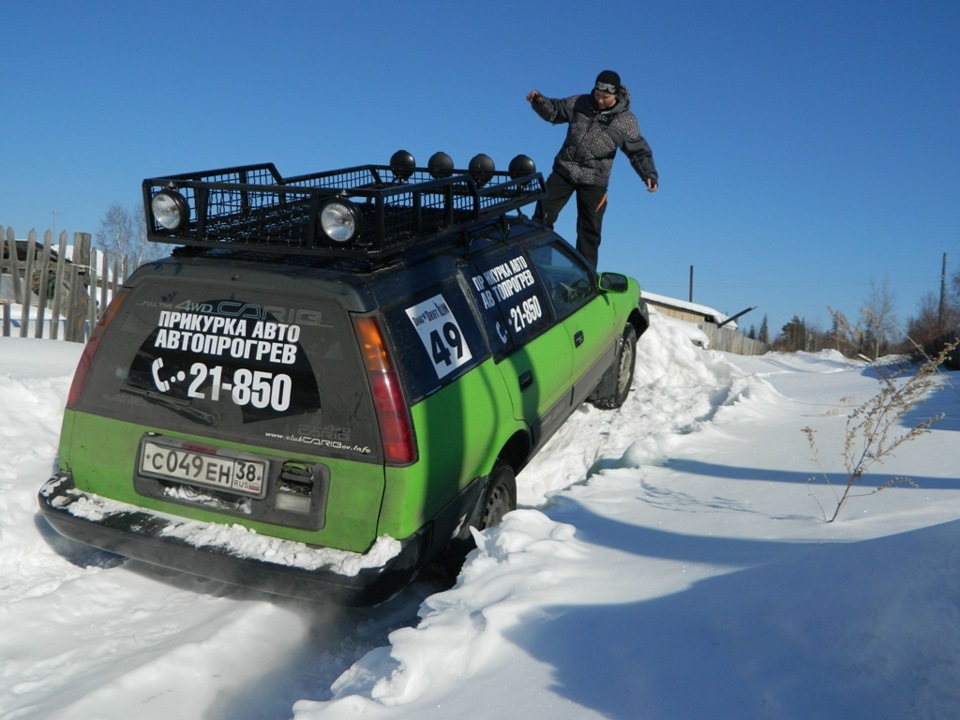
x=253 y=207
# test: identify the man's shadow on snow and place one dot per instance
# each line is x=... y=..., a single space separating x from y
x=944 y=399
x=797 y=633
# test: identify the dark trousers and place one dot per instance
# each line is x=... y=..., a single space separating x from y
x=591 y=204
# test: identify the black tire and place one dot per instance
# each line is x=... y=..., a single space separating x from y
x=500 y=496
x=615 y=384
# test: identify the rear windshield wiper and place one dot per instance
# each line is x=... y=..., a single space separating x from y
x=182 y=407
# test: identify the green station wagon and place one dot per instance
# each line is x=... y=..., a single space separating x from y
x=333 y=376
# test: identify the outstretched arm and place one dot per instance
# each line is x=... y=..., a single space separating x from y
x=546 y=108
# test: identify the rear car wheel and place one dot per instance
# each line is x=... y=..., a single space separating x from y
x=500 y=496
x=616 y=381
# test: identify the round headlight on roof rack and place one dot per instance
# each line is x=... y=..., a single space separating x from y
x=170 y=209
x=340 y=220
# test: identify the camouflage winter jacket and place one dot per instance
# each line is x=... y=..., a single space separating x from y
x=593 y=137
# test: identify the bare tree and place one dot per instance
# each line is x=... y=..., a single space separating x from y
x=879 y=323
x=844 y=337
x=951 y=301
x=936 y=325
x=125 y=232
x=116 y=229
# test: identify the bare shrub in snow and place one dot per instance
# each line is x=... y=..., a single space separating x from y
x=877 y=427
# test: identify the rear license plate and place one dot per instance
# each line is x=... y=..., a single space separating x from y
x=234 y=474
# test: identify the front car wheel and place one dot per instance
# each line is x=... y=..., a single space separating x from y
x=615 y=384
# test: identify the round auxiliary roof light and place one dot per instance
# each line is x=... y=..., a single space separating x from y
x=402 y=164
x=170 y=209
x=521 y=166
x=440 y=165
x=340 y=221
x=482 y=168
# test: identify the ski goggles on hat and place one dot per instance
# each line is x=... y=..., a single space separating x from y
x=608 y=88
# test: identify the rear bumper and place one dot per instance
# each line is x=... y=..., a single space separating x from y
x=198 y=548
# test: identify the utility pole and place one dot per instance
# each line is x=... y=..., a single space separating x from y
x=941 y=310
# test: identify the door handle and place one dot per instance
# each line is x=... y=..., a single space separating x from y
x=525 y=379
x=578 y=338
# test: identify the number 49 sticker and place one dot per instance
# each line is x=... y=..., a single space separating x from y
x=440 y=334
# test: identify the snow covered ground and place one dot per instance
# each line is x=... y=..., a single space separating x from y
x=670 y=561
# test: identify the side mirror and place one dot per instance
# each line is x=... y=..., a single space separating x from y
x=614 y=282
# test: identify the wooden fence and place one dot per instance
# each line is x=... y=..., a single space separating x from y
x=721 y=335
x=727 y=339
x=55 y=292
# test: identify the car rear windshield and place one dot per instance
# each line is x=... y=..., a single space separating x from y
x=257 y=367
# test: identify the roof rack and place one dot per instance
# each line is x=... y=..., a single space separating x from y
x=365 y=211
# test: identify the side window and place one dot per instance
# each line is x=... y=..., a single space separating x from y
x=568 y=283
x=436 y=338
x=510 y=298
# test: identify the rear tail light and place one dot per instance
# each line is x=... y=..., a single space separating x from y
x=83 y=367
x=396 y=430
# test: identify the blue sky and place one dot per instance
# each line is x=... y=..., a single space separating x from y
x=805 y=149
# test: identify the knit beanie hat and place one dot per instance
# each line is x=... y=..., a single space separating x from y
x=608 y=82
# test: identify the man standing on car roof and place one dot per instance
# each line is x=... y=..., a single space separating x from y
x=599 y=123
